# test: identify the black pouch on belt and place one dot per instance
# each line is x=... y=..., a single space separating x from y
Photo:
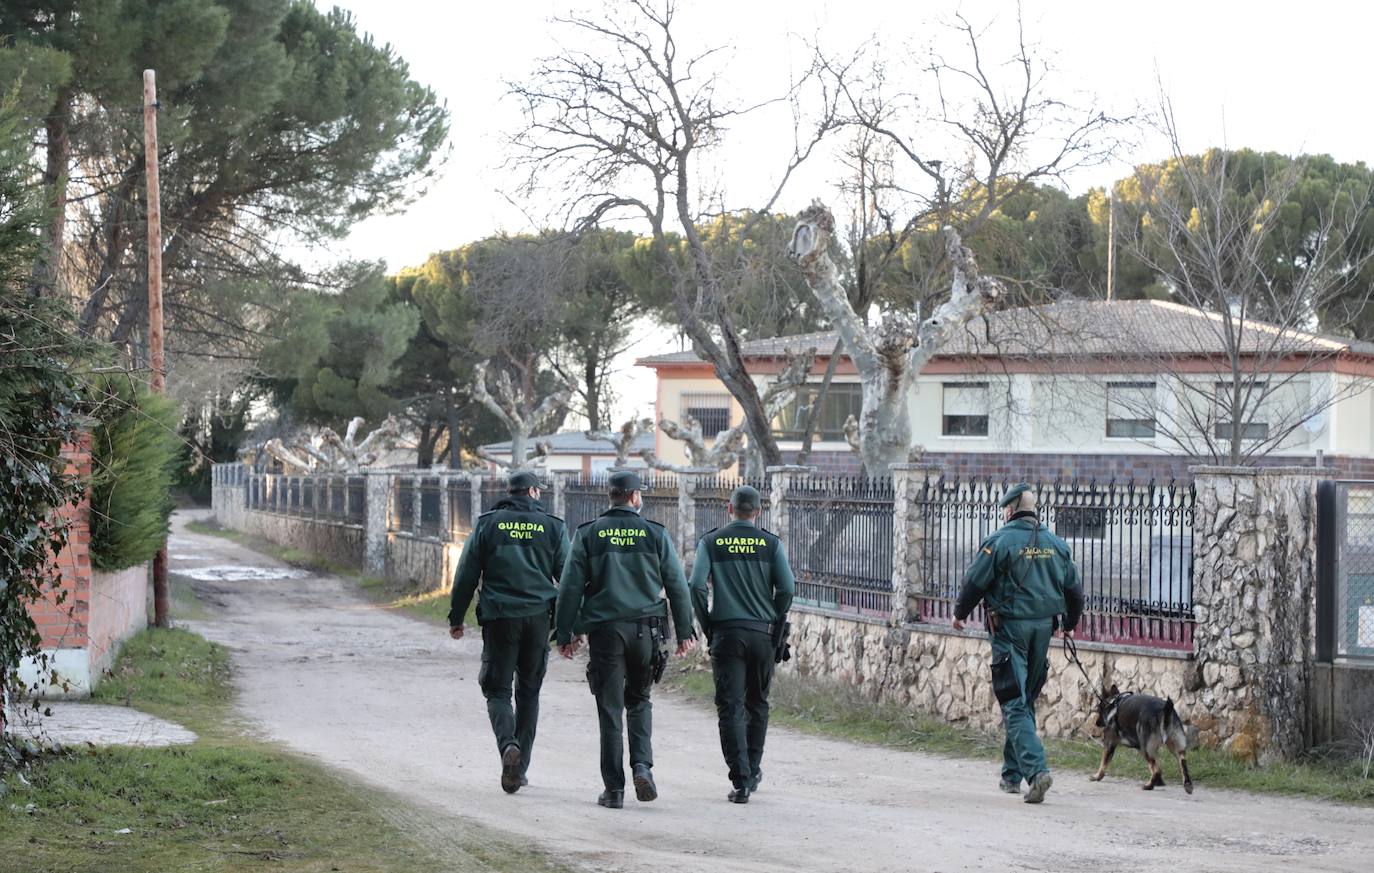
x=1004 y=685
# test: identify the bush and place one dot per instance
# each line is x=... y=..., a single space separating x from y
x=134 y=449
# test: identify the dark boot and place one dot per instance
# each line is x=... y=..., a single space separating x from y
x=611 y=799
x=754 y=782
x=739 y=795
x=510 y=769
x=645 y=789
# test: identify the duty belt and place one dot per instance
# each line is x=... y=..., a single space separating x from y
x=763 y=627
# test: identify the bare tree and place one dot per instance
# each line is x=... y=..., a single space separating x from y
x=626 y=129
x=521 y=410
x=1240 y=375
x=891 y=354
x=323 y=450
x=728 y=445
x=623 y=439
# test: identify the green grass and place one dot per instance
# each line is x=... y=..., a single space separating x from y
x=223 y=803
x=831 y=709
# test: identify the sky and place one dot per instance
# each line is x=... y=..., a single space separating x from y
x=1273 y=76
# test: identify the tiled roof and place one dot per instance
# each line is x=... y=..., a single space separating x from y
x=1094 y=328
x=576 y=443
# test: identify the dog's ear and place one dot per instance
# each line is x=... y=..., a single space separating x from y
x=1113 y=691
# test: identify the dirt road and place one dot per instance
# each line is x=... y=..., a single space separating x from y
x=395 y=702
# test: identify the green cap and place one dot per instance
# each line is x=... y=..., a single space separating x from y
x=625 y=481
x=747 y=498
x=523 y=481
x=1013 y=494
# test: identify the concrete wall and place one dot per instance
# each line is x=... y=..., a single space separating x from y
x=1341 y=702
x=119 y=609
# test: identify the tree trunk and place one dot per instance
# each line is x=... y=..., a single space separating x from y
x=455 y=450
x=814 y=412
x=885 y=420
x=424 y=450
x=590 y=372
x=47 y=269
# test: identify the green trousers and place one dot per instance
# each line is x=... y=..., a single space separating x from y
x=742 y=663
x=1024 y=644
x=518 y=649
x=620 y=674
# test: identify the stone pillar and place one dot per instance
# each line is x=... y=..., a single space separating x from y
x=445 y=515
x=685 y=537
x=908 y=538
x=558 y=500
x=782 y=479
x=1254 y=583
x=376 y=497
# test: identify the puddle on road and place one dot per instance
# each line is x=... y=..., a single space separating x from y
x=240 y=573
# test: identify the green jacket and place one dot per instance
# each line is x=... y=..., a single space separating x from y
x=749 y=574
x=1023 y=571
x=620 y=566
x=517 y=552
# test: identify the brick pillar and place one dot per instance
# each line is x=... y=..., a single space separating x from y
x=376 y=509
x=1254 y=584
x=782 y=479
x=908 y=537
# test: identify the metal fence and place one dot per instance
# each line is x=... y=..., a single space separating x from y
x=840 y=543
x=494 y=490
x=586 y=497
x=402 y=515
x=331 y=498
x=459 y=493
x=712 y=501
x=1345 y=571
x=431 y=522
x=1132 y=544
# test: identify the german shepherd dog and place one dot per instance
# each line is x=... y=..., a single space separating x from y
x=1142 y=722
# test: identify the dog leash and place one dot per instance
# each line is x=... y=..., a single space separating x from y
x=1071 y=649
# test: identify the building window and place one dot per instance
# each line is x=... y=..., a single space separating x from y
x=1080 y=522
x=712 y=410
x=1130 y=410
x=840 y=400
x=965 y=409
x=1249 y=430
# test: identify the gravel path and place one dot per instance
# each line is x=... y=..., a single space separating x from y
x=393 y=701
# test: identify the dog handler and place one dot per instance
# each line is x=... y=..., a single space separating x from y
x=612 y=589
x=517 y=551
x=751 y=588
x=1025 y=576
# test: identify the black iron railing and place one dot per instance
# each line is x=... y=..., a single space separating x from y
x=712 y=501
x=431 y=521
x=1132 y=544
x=494 y=490
x=402 y=516
x=840 y=543
x=584 y=498
x=459 y=507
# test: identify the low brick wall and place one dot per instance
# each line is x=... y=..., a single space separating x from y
x=947 y=673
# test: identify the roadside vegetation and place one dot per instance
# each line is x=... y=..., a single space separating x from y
x=827 y=708
x=224 y=802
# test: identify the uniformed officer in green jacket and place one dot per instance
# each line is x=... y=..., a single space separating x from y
x=751 y=588
x=516 y=552
x=612 y=591
x=1025 y=576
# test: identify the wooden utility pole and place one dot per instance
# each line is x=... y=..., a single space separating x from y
x=157 y=361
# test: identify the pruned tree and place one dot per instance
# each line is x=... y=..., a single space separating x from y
x=522 y=409
x=728 y=446
x=932 y=166
x=323 y=450
x=890 y=354
x=1241 y=376
x=624 y=128
x=623 y=439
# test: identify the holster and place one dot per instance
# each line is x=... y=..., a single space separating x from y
x=658 y=661
x=992 y=620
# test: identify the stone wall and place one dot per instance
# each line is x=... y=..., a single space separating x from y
x=342 y=544
x=1254 y=577
x=946 y=672
x=420 y=563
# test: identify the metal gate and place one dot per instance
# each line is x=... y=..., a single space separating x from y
x=1345 y=570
